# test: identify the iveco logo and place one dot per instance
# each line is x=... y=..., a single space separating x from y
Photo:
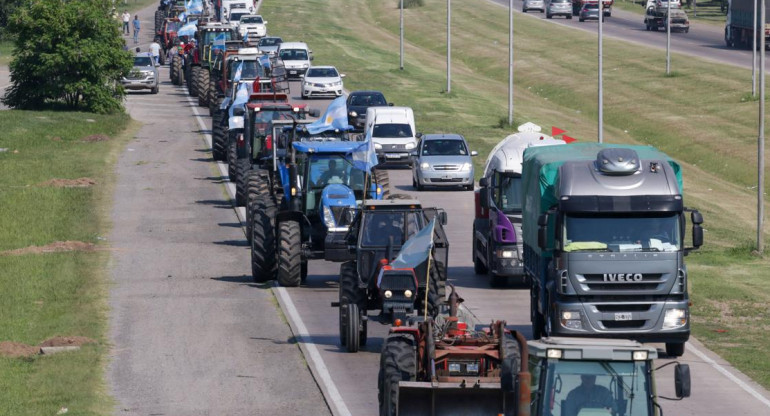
x=622 y=277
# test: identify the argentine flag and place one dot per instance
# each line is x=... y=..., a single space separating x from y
x=238 y=71
x=364 y=157
x=189 y=29
x=335 y=118
x=416 y=249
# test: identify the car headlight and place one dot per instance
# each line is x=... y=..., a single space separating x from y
x=675 y=318
x=409 y=146
x=305 y=65
x=328 y=217
x=353 y=114
x=378 y=146
x=424 y=165
x=466 y=167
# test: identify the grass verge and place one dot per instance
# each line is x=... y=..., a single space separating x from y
x=46 y=295
x=701 y=117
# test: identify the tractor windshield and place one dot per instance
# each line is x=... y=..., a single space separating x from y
x=600 y=388
x=210 y=37
x=172 y=27
x=327 y=169
x=250 y=70
x=380 y=227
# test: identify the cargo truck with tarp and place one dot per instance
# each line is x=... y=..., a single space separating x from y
x=738 y=27
x=604 y=229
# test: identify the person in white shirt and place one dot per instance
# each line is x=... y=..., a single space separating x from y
x=126 y=18
x=155 y=51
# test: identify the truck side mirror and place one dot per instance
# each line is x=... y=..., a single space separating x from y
x=682 y=380
x=314 y=112
x=696 y=217
x=484 y=182
x=542 y=237
x=697 y=235
x=483 y=196
x=442 y=217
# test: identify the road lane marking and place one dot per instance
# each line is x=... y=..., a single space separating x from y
x=319 y=369
x=742 y=384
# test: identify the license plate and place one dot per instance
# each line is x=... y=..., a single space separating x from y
x=293 y=72
x=392 y=155
x=622 y=316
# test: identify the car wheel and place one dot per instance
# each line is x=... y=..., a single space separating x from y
x=549 y=16
x=569 y=17
x=523 y=10
x=581 y=20
x=155 y=89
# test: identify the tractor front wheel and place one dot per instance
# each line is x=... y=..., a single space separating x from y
x=382 y=179
x=350 y=294
x=511 y=363
x=289 y=253
x=203 y=87
x=353 y=328
x=263 y=265
x=232 y=158
x=398 y=362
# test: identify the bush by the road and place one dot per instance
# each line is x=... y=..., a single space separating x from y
x=67 y=53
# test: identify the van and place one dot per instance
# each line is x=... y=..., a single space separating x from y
x=393 y=132
x=235 y=6
x=296 y=58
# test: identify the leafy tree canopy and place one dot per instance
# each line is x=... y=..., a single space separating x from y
x=67 y=52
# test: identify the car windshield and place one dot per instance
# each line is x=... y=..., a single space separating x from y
x=392 y=130
x=507 y=193
x=368 y=100
x=594 y=388
x=321 y=73
x=444 y=148
x=251 y=19
x=142 y=61
x=379 y=227
x=269 y=41
x=293 y=54
x=583 y=232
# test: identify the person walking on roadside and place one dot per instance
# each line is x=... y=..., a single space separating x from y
x=155 y=51
x=126 y=18
x=137 y=26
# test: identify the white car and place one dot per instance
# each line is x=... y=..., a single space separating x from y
x=252 y=25
x=322 y=80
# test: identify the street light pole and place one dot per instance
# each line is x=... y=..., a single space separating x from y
x=754 y=54
x=761 y=141
x=448 y=46
x=510 y=62
x=668 y=37
x=601 y=76
x=401 y=36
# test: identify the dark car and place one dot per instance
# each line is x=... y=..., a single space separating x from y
x=358 y=102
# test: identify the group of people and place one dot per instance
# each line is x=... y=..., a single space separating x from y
x=126 y=17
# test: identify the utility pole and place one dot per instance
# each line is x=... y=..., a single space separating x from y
x=761 y=141
x=448 y=46
x=401 y=46
x=754 y=54
x=601 y=75
x=510 y=62
x=668 y=37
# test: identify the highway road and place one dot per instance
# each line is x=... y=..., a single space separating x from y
x=194 y=336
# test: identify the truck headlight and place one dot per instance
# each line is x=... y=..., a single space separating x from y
x=505 y=254
x=466 y=167
x=675 y=318
x=328 y=217
x=571 y=320
x=409 y=146
x=424 y=165
x=377 y=146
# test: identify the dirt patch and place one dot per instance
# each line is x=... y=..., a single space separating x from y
x=95 y=138
x=56 y=139
x=67 y=341
x=56 y=247
x=69 y=183
x=17 y=349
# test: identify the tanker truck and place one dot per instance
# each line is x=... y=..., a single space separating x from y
x=497 y=249
x=738 y=27
x=604 y=230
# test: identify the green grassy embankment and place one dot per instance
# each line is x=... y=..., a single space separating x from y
x=55 y=294
x=700 y=116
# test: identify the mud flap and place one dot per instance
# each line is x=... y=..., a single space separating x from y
x=454 y=399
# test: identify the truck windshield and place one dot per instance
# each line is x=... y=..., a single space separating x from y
x=596 y=388
x=622 y=233
x=507 y=193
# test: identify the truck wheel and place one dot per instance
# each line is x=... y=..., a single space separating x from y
x=353 y=328
x=348 y=293
x=382 y=179
x=511 y=364
x=263 y=265
x=289 y=253
x=398 y=362
x=218 y=136
x=203 y=88
x=675 y=349
x=646 y=26
x=478 y=266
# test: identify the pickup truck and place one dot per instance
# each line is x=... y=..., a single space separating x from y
x=655 y=18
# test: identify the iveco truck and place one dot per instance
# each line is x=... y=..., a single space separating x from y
x=604 y=243
x=497 y=248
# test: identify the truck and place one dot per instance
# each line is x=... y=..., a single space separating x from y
x=451 y=366
x=497 y=238
x=738 y=27
x=604 y=230
x=578 y=4
x=655 y=17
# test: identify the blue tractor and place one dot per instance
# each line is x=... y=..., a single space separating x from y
x=314 y=183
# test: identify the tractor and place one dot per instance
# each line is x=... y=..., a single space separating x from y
x=210 y=38
x=371 y=280
x=295 y=199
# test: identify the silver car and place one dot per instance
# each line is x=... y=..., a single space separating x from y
x=144 y=74
x=442 y=160
x=533 y=5
x=558 y=8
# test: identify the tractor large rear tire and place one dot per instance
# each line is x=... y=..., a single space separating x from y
x=214 y=100
x=259 y=189
x=192 y=84
x=218 y=138
x=232 y=158
x=511 y=364
x=159 y=16
x=382 y=179
x=398 y=362
x=263 y=264
x=434 y=299
x=203 y=85
x=289 y=253
x=349 y=293
x=178 y=74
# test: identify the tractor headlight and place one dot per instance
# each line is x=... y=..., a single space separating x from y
x=388 y=294
x=353 y=114
x=675 y=318
x=408 y=293
x=328 y=217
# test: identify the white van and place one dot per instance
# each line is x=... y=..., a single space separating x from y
x=296 y=57
x=239 y=7
x=393 y=133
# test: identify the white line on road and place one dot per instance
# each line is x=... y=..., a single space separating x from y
x=332 y=395
x=742 y=384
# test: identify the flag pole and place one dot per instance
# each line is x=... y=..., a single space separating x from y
x=427 y=283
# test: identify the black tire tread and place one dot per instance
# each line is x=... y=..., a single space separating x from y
x=289 y=253
x=218 y=138
x=398 y=362
x=263 y=264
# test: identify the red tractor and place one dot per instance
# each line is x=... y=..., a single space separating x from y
x=445 y=367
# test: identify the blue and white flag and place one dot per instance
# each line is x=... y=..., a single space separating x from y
x=264 y=60
x=364 y=157
x=238 y=71
x=335 y=118
x=219 y=41
x=182 y=16
x=241 y=97
x=416 y=249
x=194 y=7
x=189 y=29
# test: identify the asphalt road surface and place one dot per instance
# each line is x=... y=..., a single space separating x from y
x=194 y=336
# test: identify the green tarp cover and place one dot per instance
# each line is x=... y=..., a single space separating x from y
x=540 y=171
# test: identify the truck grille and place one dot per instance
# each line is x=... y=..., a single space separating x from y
x=614 y=283
x=397 y=281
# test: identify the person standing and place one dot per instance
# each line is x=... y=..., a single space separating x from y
x=137 y=26
x=126 y=18
x=155 y=51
